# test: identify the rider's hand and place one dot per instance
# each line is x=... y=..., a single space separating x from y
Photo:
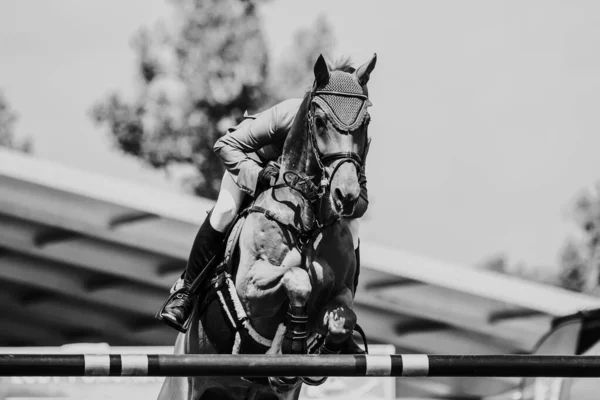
x=268 y=176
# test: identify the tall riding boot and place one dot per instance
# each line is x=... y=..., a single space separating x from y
x=350 y=346
x=207 y=244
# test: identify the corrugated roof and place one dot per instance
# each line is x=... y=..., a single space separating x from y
x=85 y=257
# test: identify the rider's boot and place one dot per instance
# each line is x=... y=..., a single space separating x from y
x=206 y=245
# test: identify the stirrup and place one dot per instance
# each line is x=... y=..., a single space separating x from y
x=186 y=325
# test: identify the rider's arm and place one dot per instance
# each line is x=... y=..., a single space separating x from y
x=234 y=148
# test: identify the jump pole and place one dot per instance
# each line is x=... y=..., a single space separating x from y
x=398 y=365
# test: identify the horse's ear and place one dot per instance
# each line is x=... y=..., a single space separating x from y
x=363 y=73
x=321 y=71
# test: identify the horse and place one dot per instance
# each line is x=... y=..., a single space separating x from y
x=285 y=284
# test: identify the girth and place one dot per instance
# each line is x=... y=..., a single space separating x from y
x=239 y=336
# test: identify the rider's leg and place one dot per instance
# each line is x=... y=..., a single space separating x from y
x=206 y=244
x=212 y=231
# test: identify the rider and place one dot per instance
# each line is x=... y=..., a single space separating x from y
x=247 y=151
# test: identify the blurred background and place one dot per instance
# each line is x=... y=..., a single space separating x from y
x=484 y=152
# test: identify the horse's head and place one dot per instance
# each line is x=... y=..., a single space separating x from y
x=337 y=128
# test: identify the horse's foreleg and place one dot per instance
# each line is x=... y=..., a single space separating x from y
x=296 y=282
x=338 y=319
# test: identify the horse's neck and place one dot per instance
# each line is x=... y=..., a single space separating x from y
x=296 y=152
x=296 y=157
x=289 y=205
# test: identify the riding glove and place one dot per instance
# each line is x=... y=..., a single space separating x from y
x=268 y=176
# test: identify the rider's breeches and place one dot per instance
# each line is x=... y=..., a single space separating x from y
x=228 y=204
x=211 y=233
x=230 y=200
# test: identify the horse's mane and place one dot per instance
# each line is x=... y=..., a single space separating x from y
x=343 y=64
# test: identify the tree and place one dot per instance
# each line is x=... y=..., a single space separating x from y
x=499 y=263
x=573 y=273
x=8 y=119
x=581 y=259
x=496 y=263
x=197 y=77
x=294 y=74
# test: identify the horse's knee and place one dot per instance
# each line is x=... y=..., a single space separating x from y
x=297 y=285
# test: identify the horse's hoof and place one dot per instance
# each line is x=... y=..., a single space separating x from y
x=314 y=380
x=283 y=383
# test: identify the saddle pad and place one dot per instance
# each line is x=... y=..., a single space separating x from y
x=231 y=245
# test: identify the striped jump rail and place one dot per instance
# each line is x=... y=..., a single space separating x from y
x=398 y=365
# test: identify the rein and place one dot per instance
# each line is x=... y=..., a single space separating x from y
x=305 y=185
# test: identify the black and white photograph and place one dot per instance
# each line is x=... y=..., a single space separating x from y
x=299 y=200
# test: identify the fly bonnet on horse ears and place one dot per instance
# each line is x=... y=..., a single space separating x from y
x=342 y=95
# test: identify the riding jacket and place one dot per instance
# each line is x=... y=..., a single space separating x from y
x=247 y=147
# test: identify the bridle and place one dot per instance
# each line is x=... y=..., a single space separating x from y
x=305 y=184
x=313 y=193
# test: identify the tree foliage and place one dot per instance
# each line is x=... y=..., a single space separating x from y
x=579 y=258
x=500 y=263
x=580 y=262
x=197 y=76
x=574 y=268
x=8 y=119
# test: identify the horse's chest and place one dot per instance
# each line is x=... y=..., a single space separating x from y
x=322 y=275
x=331 y=267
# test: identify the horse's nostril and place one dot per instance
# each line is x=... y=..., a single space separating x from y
x=339 y=195
x=343 y=197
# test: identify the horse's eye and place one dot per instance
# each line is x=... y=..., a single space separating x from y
x=320 y=123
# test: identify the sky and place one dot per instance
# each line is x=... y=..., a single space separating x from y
x=485 y=122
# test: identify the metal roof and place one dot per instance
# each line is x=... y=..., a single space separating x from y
x=87 y=258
